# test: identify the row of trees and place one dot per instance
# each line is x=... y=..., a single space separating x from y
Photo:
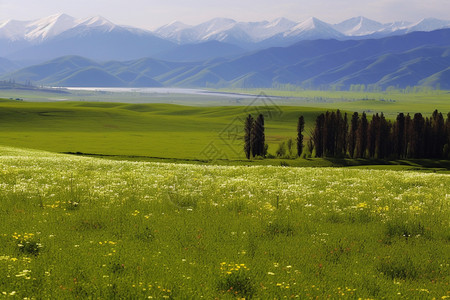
x=334 y=135
x=406 y=137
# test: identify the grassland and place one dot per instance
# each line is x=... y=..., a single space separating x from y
x=75 y=227
x=167 y=131
x=83 y=227
x=152 y=130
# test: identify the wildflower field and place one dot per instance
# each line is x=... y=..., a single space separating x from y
x=76 y=227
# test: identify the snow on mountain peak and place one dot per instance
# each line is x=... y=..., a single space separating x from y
x=313 y=28
x=215 y=25
x=171 y=28
x=97 y=21
x=358 y=26
x=220 y=29
x=48 y=27
x=429 y=24
x=281 y=22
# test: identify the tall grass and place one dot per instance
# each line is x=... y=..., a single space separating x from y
x=73 y=227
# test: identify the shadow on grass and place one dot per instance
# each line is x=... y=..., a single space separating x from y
x=427 y=165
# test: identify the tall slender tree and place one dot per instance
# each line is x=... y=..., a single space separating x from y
x=300 y=128
x=258 y=137
x=248 y=136
x=374 y=127
x=417 y=137
x=399 y=136
x=438 y=134
x=408 y=136
x=361 y=144
x=383 y=140
x=318 y=135
x=352 y=134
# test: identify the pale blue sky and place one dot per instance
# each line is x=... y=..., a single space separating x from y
x=151 y=14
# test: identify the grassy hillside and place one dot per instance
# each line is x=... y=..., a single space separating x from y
x=74 y=227
x=155 y=130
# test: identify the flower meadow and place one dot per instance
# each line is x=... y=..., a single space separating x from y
x=75 y=227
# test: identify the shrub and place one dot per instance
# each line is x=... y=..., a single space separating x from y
x=236 y=281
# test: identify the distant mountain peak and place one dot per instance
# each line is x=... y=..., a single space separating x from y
x=177 y=24
x=97 y=21
x=359 y=26
x=428 y=24
x=313 y=28
x=281 y=22
x=49 y=27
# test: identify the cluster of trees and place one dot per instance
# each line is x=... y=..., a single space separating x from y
x=334 y=135
x=406 y=137
x=255 y=139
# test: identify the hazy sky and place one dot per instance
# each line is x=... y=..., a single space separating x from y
x=151 y=14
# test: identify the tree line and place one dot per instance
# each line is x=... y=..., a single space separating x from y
x=379 y=138
x=334 y=135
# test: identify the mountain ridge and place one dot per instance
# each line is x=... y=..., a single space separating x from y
x=94 y=37
x=417 y=58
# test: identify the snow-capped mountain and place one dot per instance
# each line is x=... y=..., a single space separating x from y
x=225 y=30
x=94 y=37
x=49 y=27
x=184 y=34
x=97 y=22
x=63 y=34
x=359 y=26
x=313 y=28
x=171 y=30
x=284 y=31
x=259 y=31
x=403 y=27
x=428 y=24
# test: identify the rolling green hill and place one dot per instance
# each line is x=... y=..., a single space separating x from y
x=153 y=130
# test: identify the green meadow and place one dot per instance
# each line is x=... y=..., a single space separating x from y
x=153 y=130
x=76 y=227
x=160 y=203
x=209 y=128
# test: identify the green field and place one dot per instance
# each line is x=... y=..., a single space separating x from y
x=153 y=130
x=74 y=227
x=120 y=220
x=169 y=131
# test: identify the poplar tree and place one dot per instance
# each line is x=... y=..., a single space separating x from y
x=318 y=135
x=248 y=136
x=352 y=134
x=408 y=136
x=258 y=140
x=361 y=139
x=300 y=128
x=372 y=135
x=417 y=136
x=383 y=140
x=438 y=134
x=400 y=136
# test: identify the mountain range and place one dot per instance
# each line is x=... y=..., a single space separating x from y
x=30 y=42
x=410 y=59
